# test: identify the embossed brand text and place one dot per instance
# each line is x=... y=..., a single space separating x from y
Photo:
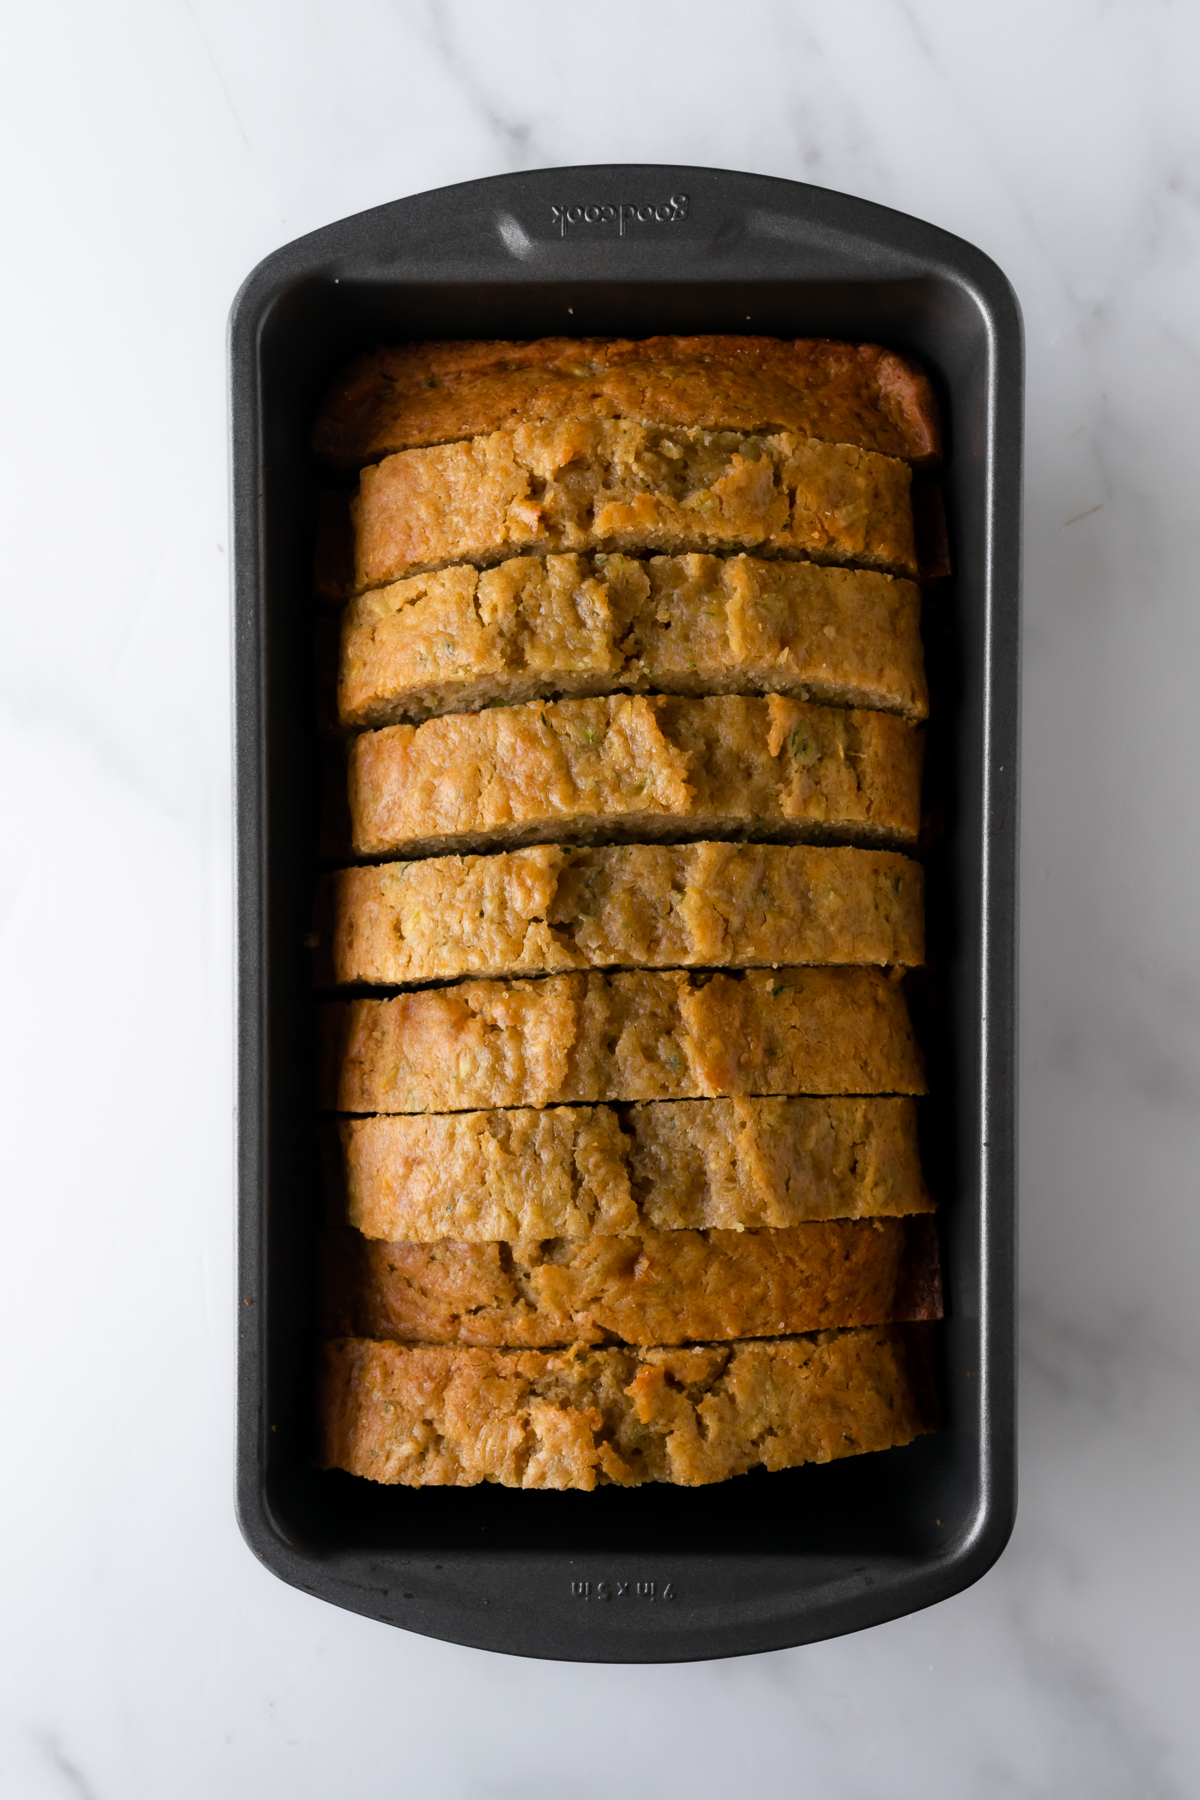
x=622 y=1590
x=665 y=212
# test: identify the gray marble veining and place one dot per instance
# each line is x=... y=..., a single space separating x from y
x=153 y=155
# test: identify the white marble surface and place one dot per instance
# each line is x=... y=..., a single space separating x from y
x=153 y=152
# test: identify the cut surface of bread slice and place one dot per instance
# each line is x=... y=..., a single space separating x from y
x=610 y=485
x=417 y=394
x=641 y=1036
x=428 y=1416
x=576 y=1171
x=535 y=626
x=550 y=908
x=664 y=1287
x=632 y=765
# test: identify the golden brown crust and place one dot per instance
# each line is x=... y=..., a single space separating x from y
x=418 y=394
x=597 y=484
x=664 y=1287
x=596 y=1038
x=635 y=765
x=578 y=1171
x=463 y=638
x=454 y=1416
x=652 y=906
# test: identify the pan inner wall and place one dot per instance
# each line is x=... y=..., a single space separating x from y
x=910 y=1504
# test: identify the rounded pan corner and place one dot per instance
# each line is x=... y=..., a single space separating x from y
x=269 y=1542
x=266 y=280
x=259 y=1530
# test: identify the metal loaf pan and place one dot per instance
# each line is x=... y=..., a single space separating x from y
x=656 y=1573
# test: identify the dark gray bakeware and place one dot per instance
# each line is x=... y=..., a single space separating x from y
x=652 y=1574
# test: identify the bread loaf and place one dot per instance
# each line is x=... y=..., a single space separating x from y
x=588 y=485
x=419 y=394
x=651 y=906
x=635 y=766
x=463 y=638
x=577 y=1171
x=633 y=649
x=592 y=1038
x=433 y=1416
x=655 y=1287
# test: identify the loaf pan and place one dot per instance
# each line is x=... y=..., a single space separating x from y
x=652 y=1574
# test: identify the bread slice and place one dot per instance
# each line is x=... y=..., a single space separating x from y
x=420 y=394
x=658 y=1287
x=601 y=484
x=652 y=906
x=424 y=1416
x=571 y=1172
x=534 y=626
x=591 y=1038
x=635 y=766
